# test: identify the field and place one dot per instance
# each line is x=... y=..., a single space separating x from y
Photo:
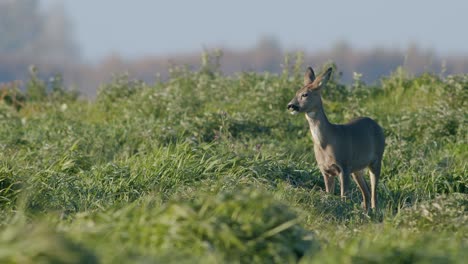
x=207 y=168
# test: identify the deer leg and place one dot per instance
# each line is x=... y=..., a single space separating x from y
x=358 y=177
x=374 y=172
x=344 y=183
x=329 y=182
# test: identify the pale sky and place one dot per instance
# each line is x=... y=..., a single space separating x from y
x=144 y=27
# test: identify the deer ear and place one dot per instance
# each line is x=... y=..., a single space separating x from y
x=309 y=76
x=323 y=78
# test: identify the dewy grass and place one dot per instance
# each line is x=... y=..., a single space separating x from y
x=206 y=168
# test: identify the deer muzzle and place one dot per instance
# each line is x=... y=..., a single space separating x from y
x=294 y=109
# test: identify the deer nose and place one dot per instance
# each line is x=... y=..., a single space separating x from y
x=293 y=107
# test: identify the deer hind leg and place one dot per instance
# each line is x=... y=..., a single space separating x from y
x=374 y=173
x=358 y=177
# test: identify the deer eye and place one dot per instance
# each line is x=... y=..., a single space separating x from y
x=304 y=95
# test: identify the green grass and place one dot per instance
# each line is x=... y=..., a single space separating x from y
x=206 y=168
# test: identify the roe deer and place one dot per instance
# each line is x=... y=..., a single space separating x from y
x=341 y=149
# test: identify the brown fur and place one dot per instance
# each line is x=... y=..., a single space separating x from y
x=341 y=150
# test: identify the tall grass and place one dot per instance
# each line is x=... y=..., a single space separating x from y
x=210 y=168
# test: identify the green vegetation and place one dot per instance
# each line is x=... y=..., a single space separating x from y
x=206 y=168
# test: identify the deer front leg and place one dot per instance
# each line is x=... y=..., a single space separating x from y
x=329 y=182
x=344 y=183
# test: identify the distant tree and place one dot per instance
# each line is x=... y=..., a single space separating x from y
x=267 y=54
x=39 y=36
x=56 y=40
x=20 y=25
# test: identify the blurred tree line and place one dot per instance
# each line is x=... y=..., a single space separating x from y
x=268 y=55
x=44 y=38
x=29 y=35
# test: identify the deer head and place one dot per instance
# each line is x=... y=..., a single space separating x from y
x=308 y=98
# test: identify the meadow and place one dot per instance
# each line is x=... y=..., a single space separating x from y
x=208 y=168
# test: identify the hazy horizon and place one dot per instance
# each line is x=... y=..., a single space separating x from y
x=136 y=29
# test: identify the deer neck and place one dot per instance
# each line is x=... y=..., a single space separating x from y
x=319 y=125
